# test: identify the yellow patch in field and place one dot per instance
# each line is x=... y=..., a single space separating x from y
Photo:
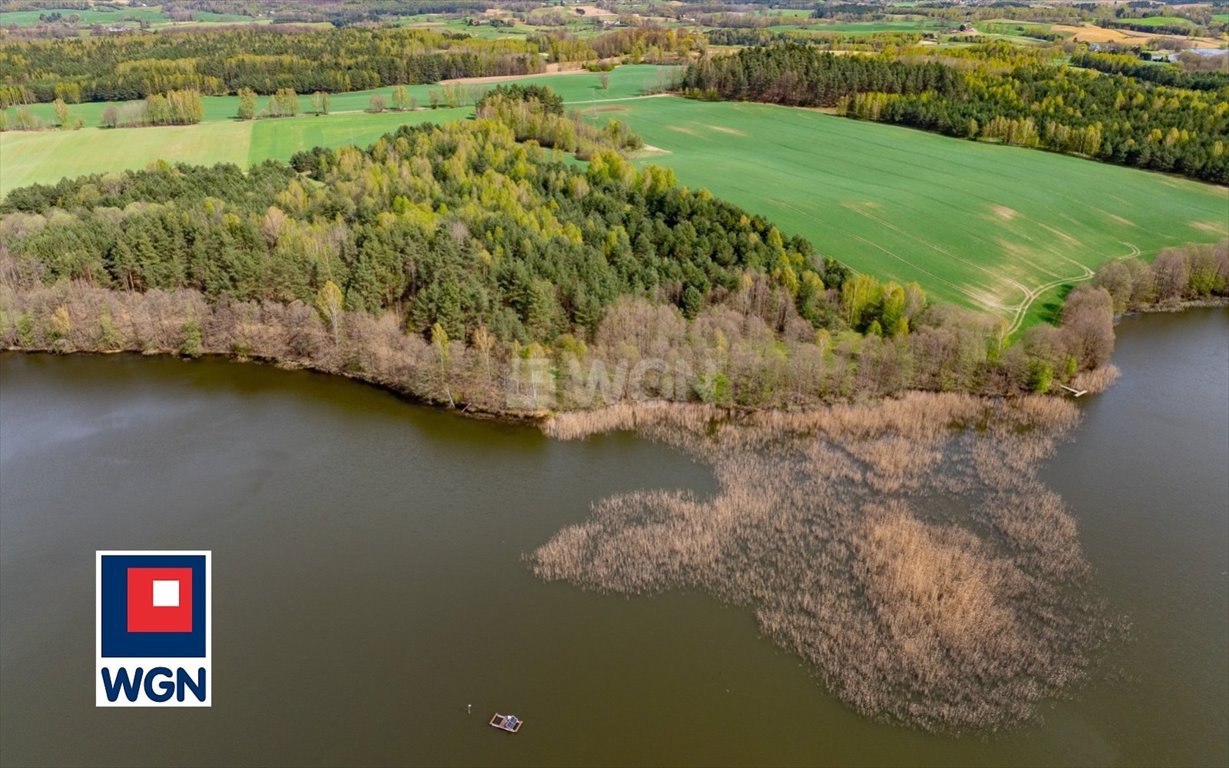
x=986 y=299
x=724 y=129
x=1204 y=226
x=1003 y=212
x=864 y=207
x=1095 y=34
x=682 y=129
x=1118 y=219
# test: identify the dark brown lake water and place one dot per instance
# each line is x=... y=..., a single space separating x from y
x=369 y=582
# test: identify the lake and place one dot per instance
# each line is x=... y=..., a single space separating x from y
x=369 y=580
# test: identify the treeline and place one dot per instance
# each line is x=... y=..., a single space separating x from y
x=283 y=103
x=1154 y=72
x=1176 y=275
x=799 y=75
x=265 y=60
x=1110 y=117
x=171 y=108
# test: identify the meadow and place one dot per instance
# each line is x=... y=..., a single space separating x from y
x=997 y=228
x=92 y=16
x=1159 y=21
x=152 y=15
x=893 y=24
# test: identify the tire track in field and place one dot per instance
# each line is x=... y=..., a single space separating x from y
x=1021 y=310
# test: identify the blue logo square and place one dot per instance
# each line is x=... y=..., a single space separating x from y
x=117 y=641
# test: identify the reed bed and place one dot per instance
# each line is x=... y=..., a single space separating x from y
x=907 y=550
x=1097 y=380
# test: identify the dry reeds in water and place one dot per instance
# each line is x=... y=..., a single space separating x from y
x=1097 y=380
x=906 y=549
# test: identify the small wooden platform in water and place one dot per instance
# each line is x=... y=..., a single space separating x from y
x=509 y=723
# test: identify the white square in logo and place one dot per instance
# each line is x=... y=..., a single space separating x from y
x=166 y=594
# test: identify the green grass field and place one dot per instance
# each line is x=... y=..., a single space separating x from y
x=861 y=27
x=94 y=16
x=990 y=227
x=1160 y=21
x=982 y=225
x=1007 y=28
x=152 y=15
x=48 y=156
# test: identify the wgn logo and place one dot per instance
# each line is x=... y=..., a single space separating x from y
x=153 y=629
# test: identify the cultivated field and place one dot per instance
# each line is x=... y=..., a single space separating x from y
x=986 y=226
x=47 y=156
x=894 y=24
x=130 y=16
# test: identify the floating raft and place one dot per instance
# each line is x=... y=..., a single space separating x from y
x=509 y=723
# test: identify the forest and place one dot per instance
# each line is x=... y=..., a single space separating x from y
x=993 y=92
x=119 y=68
x=444 y=260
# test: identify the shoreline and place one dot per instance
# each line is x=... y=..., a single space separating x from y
x=414 y=381
x=621 y=416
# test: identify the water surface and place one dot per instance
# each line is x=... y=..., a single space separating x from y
x=369 y=581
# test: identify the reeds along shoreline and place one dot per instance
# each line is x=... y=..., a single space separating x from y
x=906 y=549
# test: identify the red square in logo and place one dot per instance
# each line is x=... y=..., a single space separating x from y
x=159 y=599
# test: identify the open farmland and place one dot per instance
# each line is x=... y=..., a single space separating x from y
x=154 y=16
x=990 y=227
x=86 y=16
x=28 y=157
x=893 y=24
x=1160 y=21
